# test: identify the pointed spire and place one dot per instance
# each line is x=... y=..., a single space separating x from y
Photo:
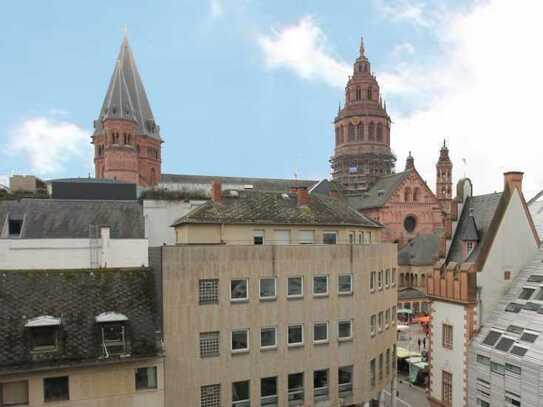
x=385 y=105
x=339 y=108
x=126 y=98
x=410 y=162
x=362 y=49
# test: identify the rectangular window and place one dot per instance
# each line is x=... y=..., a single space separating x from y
x=14 y=227
x=372 y=281
x=320 y=285
x=526 y=293
x=56 y=389
x=209 y=344
x=513 y=369
x=345 y=284
x=387 y=278
x=295 y=388
x=44 y=339
x=268 y=338
x=240 y=340
x=267 y=288
x=393 y=279
x=345 y=330
x=387 y=363
x=482 y=403
x=446 y=388
x=320 y=332
x=14 y=393
x=387 y=318
x=320 y=384
x=268 y=391
x=258 y=236
x=447 y=336
x=380 y=367
x=483 y=360
x=345 y=381
x=372 y=373
x=281 y=236
x=295 y=287
x=295 y=335
x=210 y=395
x=329 y=237
x=114 y=338
x=307 y=236
x=241 y=394
x=146 y=378
x=497 y=368
x=380 y=321
x=380 y=280
x=393 y=316
x=373 y=323
x=209 y=291
x=238 y=290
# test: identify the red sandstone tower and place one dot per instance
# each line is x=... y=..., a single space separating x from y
x=362 y=127
x=126 y=137
x=444 y=178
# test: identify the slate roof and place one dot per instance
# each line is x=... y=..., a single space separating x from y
x=410 y=293
x=254 y=207
x=76 y=297
x=70 y=219
x=126 y=98
x=380 y=193
x=536 y=210
x=484 y=208
x=259 y=184
x=421 y=251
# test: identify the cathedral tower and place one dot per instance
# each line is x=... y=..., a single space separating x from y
x=444 y=180
x=362 y=128
x=127 y=143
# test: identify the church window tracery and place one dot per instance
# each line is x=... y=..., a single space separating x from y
x=380 y=132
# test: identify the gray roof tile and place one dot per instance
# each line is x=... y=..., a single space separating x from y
x=379 y=193
x=421 y=251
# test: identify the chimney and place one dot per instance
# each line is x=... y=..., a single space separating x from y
x=216 y=191
x=512 y=180
x=303 y=196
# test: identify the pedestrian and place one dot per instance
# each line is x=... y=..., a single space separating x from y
x=424 y=342
x=419 y=344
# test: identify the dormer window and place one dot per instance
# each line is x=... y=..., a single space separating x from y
x=470 y=246
x=44 y=333
x=112 y=333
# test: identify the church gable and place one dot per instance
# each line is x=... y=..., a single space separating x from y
x=412 y=189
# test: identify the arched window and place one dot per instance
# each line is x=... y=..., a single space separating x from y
x=407 y=194
x=379 y=132
x=337 y=136
x=351 y=132
x=341 y=134
x=416 y=194
x=358 y=93
x=360 y=131
x=371 y=131
x=370 y=94
x=416 y=281
x=348 y=95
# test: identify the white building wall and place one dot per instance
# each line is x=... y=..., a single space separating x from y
x=513 y=247
x=159 y=216
x=32 y=254
x=451 y=360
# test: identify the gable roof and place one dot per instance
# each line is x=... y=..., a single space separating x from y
x=379 y=194
x=410 y=293
x=536 y=210
x=126 y=98
x=420 y=251
x=72 y=219
x=76 y=298
x=271 y=208
x=484 y=208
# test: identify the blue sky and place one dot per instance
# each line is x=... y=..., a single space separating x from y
x=245 y=87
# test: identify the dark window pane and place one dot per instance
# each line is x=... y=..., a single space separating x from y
x=146 y=378
x=519 y=351
x=529 y=337
x=238 y=289
x=44 y=337
x=240 y=391
x=295 y=335
x=294 y=286
x=56 y=389
x=267 y=287
x=329 y=238
x=268 y=386
x=344 y=283
x=526 y=293
x=320 y=285
x=492 y=338
x=240 y=340
x=505 y=344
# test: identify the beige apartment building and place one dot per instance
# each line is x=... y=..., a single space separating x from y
x=252 y=320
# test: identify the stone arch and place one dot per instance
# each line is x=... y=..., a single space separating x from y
x=360 y=131
x=407 y=194
x=380 y=132
x=371 y=131
x=370 y=93
x=358 y=93
x=416 y=194
x=351 y=132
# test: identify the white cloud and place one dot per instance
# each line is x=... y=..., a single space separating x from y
x=216 y=8
x=483 y=95
x=46 y=145
x=302 y=48
x=413 y=11
x=403 y=49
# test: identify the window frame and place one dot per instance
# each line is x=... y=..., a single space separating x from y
x=267 y=298
x=243 y=350
x=373 y=281
x=325 y=294
x=45 y=348
x=380 y=280
x=321 y=393
x=202 y=288
x=447 y=394
x=447 y=341
x=296 y=391
x=345 y=338
x=329 y=232
x=213 y=354
x=350 y=275
x=321 y=341
x=244 y=402
x=216 y=387
x=387 y=278
x=345 y=389
x=147 y=386
x=295 y=344
x=373 y=324
x=238 y=300
x=45 y=399
x=268 y=347
x=26 y=402
x=272 y=398
x=295 y=296
x=259 y=234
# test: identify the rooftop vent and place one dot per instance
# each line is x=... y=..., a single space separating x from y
x=248 y=186
x=285 y=196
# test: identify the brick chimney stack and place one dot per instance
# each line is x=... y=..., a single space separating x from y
x=216 y=191
x=303 y=196
x=513 y=179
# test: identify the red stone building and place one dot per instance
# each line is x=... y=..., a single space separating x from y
x=127 y=143
x=363 y=165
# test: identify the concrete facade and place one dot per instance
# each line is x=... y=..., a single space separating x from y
x=184 y=319
x=99 y=386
